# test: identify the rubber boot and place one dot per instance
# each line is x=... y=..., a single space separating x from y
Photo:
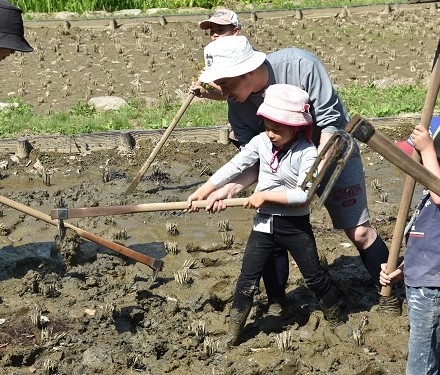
x=330 y=305
x=390 y=305
x=237 y=320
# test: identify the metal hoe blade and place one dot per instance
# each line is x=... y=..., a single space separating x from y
x=340 y=145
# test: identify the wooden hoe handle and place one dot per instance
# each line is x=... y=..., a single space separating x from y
x=155 y=264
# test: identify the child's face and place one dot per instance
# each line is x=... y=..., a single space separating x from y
x=280 y=134
x=217 y=31
x=5 y=52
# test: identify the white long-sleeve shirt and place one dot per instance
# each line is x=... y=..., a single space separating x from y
x=293 y=168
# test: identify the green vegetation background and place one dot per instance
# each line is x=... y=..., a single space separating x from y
x=80 y=6
x=369 y=101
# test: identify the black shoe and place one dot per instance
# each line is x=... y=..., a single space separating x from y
x=333 y=315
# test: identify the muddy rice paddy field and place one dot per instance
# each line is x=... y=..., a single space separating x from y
x=74 y=307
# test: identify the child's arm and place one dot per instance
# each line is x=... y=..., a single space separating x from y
x=281 y=197
x=245 y=160
x=290 y=196
x=425 y=145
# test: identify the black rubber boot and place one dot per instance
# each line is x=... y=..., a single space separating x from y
x=237 y=320
x=330 y=305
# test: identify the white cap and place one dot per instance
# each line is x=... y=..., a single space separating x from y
x=230 y=56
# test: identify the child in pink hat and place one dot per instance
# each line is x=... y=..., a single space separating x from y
x=285 y=154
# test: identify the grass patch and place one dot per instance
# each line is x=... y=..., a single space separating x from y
x=20 y=119
x=81 y=6
x=369 y=101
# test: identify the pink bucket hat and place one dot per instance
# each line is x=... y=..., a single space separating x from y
x=221 y=17
x=286 y=104
x=434 y=129
x=230 y=56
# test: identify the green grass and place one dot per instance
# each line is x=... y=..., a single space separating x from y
x=369 y=101
x=80 y=6
x=21 y=120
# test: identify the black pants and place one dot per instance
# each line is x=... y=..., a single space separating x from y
x=263 y=249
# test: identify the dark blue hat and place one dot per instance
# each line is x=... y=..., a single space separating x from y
x=11 y=28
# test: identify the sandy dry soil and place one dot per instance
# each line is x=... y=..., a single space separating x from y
x=74 y=307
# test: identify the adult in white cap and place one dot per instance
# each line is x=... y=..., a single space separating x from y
x=285 y=154
x=243 y=75
x=422 y=262
x=11 y=31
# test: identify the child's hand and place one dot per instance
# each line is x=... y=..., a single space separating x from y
x=421 y=138
x=196 y=196
x=255 y=200
x=386 y=279
x=215 y=200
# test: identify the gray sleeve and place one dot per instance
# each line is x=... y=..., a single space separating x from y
x=247 y=157
x=327 y=108
x=298 y=67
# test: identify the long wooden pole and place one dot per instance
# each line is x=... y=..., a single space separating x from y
x=159 y=145
x=155 y=264
x=68 y=213
x=365 y=132
x=408 y=188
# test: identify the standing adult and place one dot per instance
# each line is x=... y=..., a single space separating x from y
x=11 y=31
x=243 y=75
